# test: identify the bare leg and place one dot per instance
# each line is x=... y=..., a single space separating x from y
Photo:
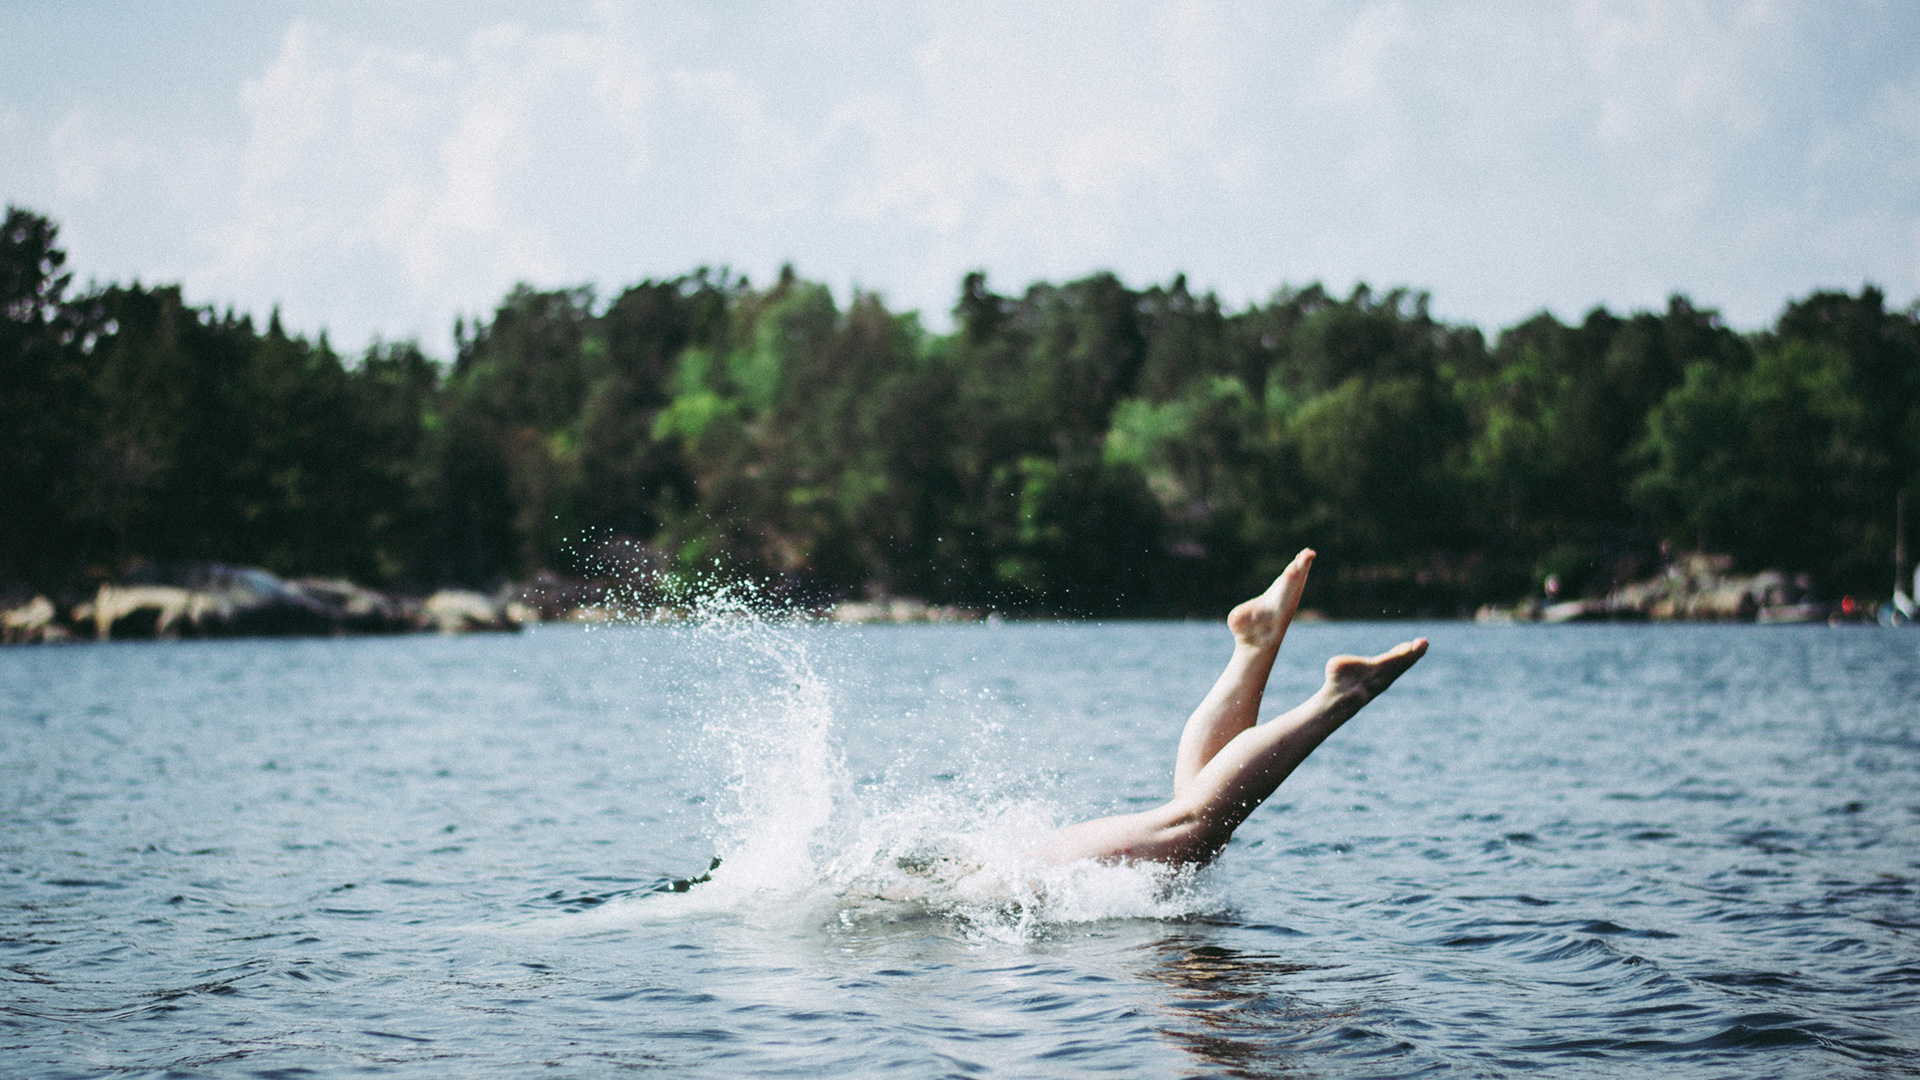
x=1233 y=705
x=1248 y=769
x=1239 y=777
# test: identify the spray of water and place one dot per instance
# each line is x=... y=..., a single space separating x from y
x=795 y=835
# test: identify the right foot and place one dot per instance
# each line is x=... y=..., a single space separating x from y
x=1262 y=621
x=1359 y=679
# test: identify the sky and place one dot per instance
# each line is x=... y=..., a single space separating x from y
x=377 y=169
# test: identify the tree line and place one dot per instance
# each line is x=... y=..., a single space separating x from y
x=1084 y=447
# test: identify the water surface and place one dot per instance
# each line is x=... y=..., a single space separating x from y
x=1681 y=851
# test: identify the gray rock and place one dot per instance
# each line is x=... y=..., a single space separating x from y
x=458 y=611
x=245 y=601
x=358 y=609
x=138 y=611
x=34 y=622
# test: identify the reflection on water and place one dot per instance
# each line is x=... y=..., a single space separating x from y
x=1231 y=1009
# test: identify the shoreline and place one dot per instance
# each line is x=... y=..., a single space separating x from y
x=217 y=601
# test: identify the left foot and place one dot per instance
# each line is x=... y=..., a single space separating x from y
x=1262 y=621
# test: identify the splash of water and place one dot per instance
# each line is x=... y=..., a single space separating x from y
x=794 y=834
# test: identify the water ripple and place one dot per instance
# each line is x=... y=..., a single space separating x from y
x=1673 y=851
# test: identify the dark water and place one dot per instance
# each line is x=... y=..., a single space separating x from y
x=1592 y=850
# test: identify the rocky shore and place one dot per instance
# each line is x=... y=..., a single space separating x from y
x=901 y=609
x=550 y=597
x=1694 y=588
x=225 y=601
x=228 y=601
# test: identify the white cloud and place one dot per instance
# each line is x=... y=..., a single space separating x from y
x=85 y=159
x=1507 y=155
x=1350 y=70
x=1679 y=86
x=382 y=177
x=1028 y=143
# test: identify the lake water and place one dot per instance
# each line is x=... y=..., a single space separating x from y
x=1664 y=850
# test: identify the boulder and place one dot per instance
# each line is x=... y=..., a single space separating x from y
x=1773 y=614
x=1575 y=611
x=240 y=601
x=245 y=601
x=900 y=609
x=1526 y=611
x=859 y=611
x=1496 y=615
x=1694 y=587
x=356 y=608
x=137 y=611
x=1700 y=587
x=221 y=601
x=33 y=622
x=459 y=611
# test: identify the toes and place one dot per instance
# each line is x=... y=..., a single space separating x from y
x=1406 y=650
x=1394 y=663
x=1292 y=582
x=1401 y=656
x=1297 y=568
x=1372 y=674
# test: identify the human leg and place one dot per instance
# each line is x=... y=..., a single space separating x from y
x=1196 y=824
x=1248 y=769
x=1233 y=705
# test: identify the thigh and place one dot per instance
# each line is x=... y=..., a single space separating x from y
x=1168 y=834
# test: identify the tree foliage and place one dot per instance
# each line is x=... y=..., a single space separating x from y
x=1076 y=447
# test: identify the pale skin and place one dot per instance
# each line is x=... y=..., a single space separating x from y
x=1228 y=763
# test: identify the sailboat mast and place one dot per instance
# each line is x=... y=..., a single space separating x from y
x=1899 y=542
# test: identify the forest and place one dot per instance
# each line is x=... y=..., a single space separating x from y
x=1084 y=448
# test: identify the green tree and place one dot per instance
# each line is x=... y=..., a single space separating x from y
x=1760 y=463
x=46 y=406
x=510 y=439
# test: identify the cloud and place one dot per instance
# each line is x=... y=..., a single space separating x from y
x=1027 y=141
x=1507 y=155
x=86 y=160
x=396 y=179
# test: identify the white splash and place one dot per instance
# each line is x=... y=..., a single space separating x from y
x=796 y=838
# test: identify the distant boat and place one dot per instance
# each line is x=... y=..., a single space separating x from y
x=1901 y=610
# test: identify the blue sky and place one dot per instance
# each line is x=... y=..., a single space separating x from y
x=377 y=169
